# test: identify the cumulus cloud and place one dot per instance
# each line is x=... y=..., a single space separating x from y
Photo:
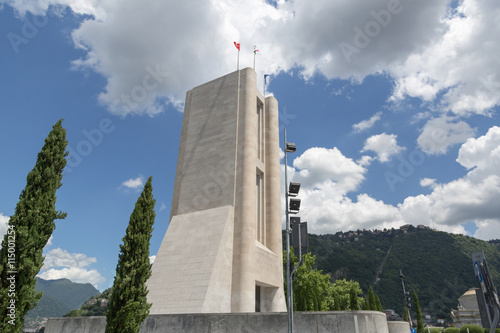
x=367 y=124
x=152 y=52
x=441 y=133
x=133 y=183
x=384 y=145
x=481 y=155
x=473 y=197
x=60 y=264
x=428 y=182
x=459 y=62
x=4 y=224
x=329 y=178
x=317 y=165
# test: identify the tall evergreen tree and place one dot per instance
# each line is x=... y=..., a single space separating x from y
x=378 y=304
x=28 y=232
x=405 y=314
x=420 y=319
x=353 y=298
x=128 y=306
x=372 y=302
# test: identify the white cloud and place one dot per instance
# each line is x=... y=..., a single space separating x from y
x=482 y=155
x=41 y=7
x=4 y=224
x=367 y=124
x=327 y=177
x=439 y=134
x=134 y=183
x=459 y=61
x=60 y=264
x=154 y=51
x=428 y=182
x=473 y=197
x=75 y=274
x=317 y=165
x=152 y=259
x=384 y=145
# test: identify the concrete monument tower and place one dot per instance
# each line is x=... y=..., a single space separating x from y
x=222 y=252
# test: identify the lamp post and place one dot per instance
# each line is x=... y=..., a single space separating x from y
x=407 y=297
x=293 y=190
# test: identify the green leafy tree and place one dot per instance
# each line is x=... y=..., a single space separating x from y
x=405 y=314
x=309 y=286
x=343 y=295
x=420 y=318
x=128 y=306
x=29 y=230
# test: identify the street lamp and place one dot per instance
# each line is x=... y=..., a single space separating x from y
x=407 y=297
x=291 y=207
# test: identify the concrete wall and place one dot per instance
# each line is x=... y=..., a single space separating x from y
x=398 y=327
x=304 y=322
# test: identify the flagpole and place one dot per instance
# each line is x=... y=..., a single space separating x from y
x=265 y=78
x=237 y=45
x=254 y=53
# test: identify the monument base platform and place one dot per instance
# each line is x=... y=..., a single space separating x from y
x=310 y=322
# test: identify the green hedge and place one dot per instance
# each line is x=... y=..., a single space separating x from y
x=452 y=330
x=487 y=330
x=433 y=330
x=472 y=329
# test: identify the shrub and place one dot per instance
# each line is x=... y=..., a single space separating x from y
x=452 y=330
x=434 y=330
x=472 y=329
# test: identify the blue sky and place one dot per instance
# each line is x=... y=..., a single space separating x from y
x=393 y=106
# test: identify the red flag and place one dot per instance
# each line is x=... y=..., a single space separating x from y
x=237 y=45
x=255 y=51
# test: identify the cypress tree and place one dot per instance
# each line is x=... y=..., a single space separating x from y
x=353 y=298
x=371 y=300
x=405 y=314
x=128 y=306
x=28 y=232
x=378 y=304
x=420 y=319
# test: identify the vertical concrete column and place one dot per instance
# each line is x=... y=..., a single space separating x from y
x=174 y=209
x=274 y=297
x=243 y=295
x=272 y=177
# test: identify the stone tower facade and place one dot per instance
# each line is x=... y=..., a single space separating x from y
x=222 y=251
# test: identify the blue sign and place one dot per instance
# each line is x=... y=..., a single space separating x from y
x=413 y=330
x=478 y=272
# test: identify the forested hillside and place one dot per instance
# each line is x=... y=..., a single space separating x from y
x=437 y=265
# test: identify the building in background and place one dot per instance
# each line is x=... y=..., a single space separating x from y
x=468 y=310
